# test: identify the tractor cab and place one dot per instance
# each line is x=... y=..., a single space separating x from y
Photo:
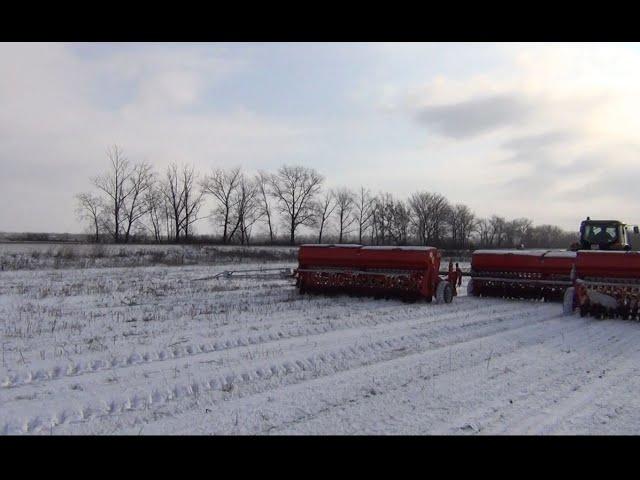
x=604 y=235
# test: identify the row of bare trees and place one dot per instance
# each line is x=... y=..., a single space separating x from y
x=131 y=200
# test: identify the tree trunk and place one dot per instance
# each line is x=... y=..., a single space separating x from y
x=224 y=230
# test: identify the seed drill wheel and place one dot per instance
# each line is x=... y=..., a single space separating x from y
x=444 y=292
x=470 y=288
x=584 y=309
x=568 y=301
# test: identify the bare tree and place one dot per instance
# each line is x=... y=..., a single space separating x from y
x=380 y=218
x=247 y=208
x=222 y=184
x=139 y=182
x=549 y=236
x=390 y=221
x=363 y=212
x=124 y=186
x=169 y=218
x=182 y=200
x=516 y=230
x=483 y=228
x=498 y=225
x=345 y=204
x=89 y=207
x=155 y=206
x=462 y=222
x=325 y=206
x=430 y=213
x=264 y=207
x=295 y=188
x=114 y=184
x=193 y=198
x=172 y=192
x=399 y=218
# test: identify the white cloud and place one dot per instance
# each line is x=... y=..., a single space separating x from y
x=545 y=131
x=55 y=126
x=508 y=120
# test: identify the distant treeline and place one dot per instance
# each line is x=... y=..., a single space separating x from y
x=44 y=237
x=131 y=202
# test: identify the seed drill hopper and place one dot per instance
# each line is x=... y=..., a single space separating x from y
x=409 y=273
x=598 y=275
x=606 y=284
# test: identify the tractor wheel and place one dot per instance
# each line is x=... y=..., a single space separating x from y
x=567 y=301
x=444 y=292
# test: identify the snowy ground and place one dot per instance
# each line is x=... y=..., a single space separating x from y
x=162 y=349
x=38 y=256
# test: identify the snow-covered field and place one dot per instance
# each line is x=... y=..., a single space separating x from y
x=37 y=256
x=166 y=349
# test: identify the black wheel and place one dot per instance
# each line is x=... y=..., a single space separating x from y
x=471 y=290
x=444 y=292
x=568 y=301
x=584 y=310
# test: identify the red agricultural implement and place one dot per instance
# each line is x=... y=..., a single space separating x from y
x=600 y=274
x=606 y=284
x=409 y=273
x=536 y=274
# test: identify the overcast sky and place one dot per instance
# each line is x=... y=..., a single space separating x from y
x=543 y=131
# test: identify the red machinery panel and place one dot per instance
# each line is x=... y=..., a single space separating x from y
x=536 y=262
x=521 y=273
x=607 y=284
x=408 y=272
x=608 y=264
x=328 y=256
x=410 y=258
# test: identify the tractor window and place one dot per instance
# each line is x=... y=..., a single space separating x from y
x=600 y=233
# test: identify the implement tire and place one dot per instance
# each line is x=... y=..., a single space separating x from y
x=444 y=292
x=567 y=301
x=470 y=288
x=584 y=310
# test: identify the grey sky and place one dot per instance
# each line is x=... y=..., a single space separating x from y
x=475 y=116
x=543 y=131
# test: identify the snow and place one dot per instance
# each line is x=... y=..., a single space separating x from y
x=407 y=248
x=167 y=350
x=531 y=252
x=561 y=254
x=37 y=256
x=608 y=252
x=355 y=245
x=334 y=245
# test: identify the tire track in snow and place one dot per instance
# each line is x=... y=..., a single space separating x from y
x=321 y=361
x=531 y=397
x=319 y=395
x=563 y=404
x=55 y=372
x=475 y=370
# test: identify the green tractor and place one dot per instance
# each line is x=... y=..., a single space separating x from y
x=604 y=235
